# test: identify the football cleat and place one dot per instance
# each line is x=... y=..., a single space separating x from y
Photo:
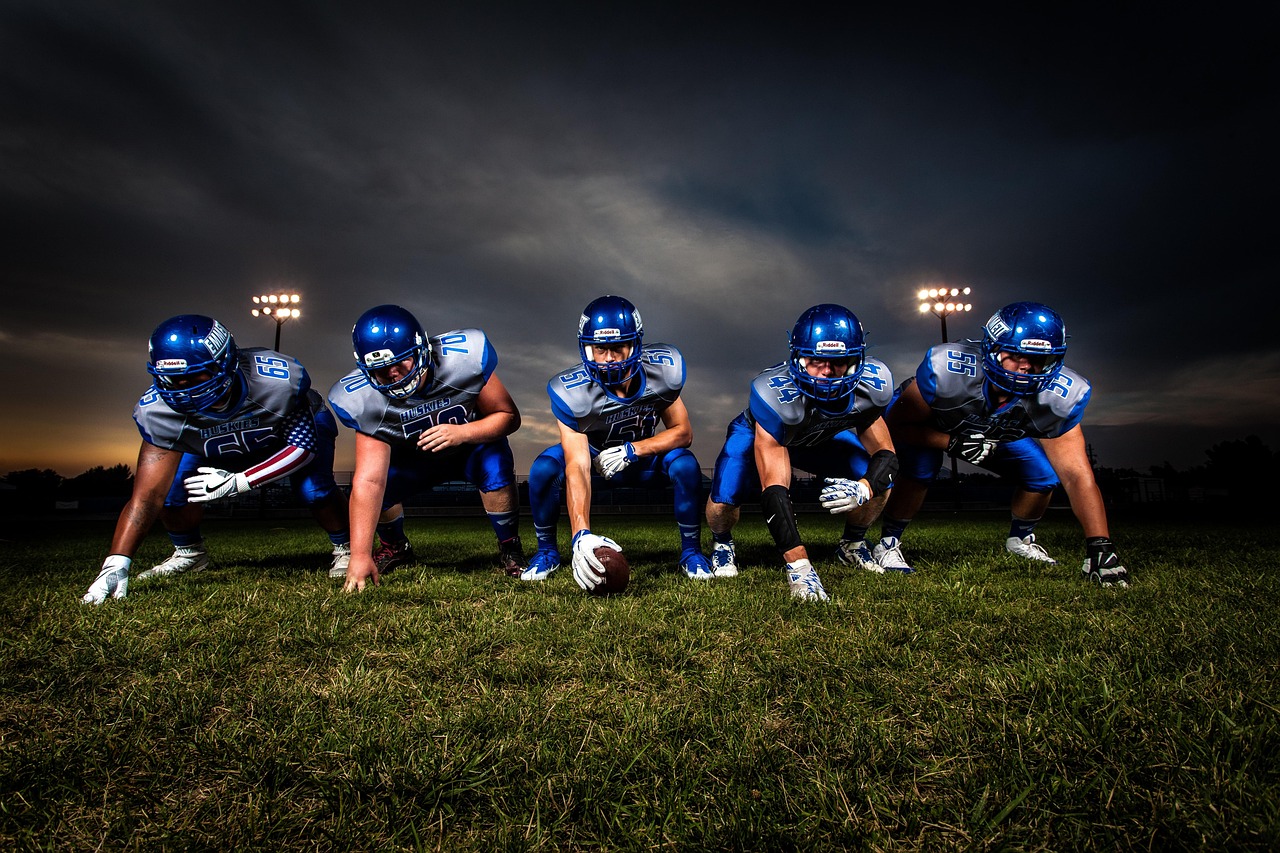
x=388 y=558
x=1027 y=547
x=724 y=562
x=857 y=554
x=185 y=558
x=341 y=558
x=511 y=557
x=888 y=555
x=804 y=582
x=544 y=562
x=696 y=566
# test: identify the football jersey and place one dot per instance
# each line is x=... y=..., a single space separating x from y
x=276 y=408
x=462 y=362
x=796 y=420
x=584 y=405
x=952 y=381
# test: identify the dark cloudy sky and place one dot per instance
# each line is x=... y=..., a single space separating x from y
x=500 y=165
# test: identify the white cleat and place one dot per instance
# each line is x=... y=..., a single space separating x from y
x=888 y=555
x=186 y=558
x=723 y=561
x=857 y=554
x=1029 y=548
x=341 y=559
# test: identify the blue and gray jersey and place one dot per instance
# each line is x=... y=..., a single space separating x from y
x=463 y=362
x=583 y=405
x=275 y=407
x=951 y=380
x=795 y=420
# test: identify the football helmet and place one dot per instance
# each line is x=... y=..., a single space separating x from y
x=192 y=362
x=1027 y=328
x=827 y=331
x=387 y=335
x=610 y=320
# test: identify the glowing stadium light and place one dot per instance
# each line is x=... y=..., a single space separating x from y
x=276 y=307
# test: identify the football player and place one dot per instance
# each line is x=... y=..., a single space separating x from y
x=821 y=410
x=1008 y=405
x=608 y=408
x=219 y=421
x=425 y=411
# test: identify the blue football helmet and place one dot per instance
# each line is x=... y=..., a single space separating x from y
x=1027 y=328
x=387 y=335
x=192 y=362
x=610 y=320
x=827 y=331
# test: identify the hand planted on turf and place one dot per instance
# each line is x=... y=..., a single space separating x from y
x=587 y=568
x=841 y=495
x=972 y=447
x=112 y=580
x=209 y=484
x=1102 y=565
x=610 y=462
x=361 y=569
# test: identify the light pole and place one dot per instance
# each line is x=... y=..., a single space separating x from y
x=943 y=302
x=278 y=307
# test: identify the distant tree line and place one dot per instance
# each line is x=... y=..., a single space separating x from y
x=1242 y=470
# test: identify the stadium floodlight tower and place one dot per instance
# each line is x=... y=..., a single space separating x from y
x=278 y=307
x=944 y=301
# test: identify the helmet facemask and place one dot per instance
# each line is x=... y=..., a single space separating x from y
x=611 y=321
x=192 y=363
x=1024 y=329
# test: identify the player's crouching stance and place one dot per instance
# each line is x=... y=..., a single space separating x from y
x=425 y=411
x=1009 y=405
x=820 y=411
x=219 y=421
x=608 y=408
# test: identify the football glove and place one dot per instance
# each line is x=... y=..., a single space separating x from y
x=611 y=462
x=972 y=447
x=841 y=495
x=1102 y=565
x=112 y=580
x=587 y=569
x=209 y=484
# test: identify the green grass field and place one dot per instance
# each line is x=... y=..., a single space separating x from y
x=983 y=703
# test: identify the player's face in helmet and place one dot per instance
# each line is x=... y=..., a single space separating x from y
x=610 y=333
x=827 y=348
x=193 y=364
x=823 y=368
x=1023 y=345
x=392 y=350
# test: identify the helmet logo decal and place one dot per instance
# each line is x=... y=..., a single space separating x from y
x=607 y=334
x=1035 y=345
x=171 y=364
x=829 y=348
x=217 y=339
x=997 y=327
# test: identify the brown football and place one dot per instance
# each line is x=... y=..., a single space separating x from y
x=617 y=572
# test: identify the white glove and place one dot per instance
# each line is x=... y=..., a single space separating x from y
x=213 y=483
x=972 y=447
x=611 y=462
x=841 y=495
x=587 y=569
x=112 y=580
